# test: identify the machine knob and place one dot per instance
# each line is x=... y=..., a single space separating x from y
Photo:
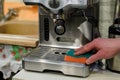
x=60 y=27
x=54 y=3
x=59 y=30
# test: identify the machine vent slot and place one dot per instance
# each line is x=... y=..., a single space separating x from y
x=46 y=29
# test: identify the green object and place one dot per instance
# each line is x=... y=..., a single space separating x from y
x=19 y=51
x=17 y=56
x=15 y=49
x=72 y=51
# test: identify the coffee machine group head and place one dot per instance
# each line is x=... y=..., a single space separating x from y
x=63 y=25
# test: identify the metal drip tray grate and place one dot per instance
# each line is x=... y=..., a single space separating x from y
x=47 y=58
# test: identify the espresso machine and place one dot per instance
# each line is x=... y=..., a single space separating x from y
x=63 y=25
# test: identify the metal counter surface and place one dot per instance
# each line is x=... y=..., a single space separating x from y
x=101 y=75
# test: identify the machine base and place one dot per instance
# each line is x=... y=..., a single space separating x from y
x=47 y=58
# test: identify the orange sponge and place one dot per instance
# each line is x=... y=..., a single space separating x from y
x=70 y=57
x=73 y=59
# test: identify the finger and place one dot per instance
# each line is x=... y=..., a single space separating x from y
x=85 y=48
x=95 y=57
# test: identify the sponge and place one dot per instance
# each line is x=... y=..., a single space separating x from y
x=70 y=57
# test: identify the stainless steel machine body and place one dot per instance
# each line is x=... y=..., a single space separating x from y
x=48 y=58
x=64 y=25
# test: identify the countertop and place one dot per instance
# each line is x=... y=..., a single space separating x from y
x=101 y=75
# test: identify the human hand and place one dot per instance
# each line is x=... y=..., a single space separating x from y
x=106 y=48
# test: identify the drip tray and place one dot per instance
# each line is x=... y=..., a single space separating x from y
x=47 y=58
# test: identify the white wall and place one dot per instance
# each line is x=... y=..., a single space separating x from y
x=106 y=16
